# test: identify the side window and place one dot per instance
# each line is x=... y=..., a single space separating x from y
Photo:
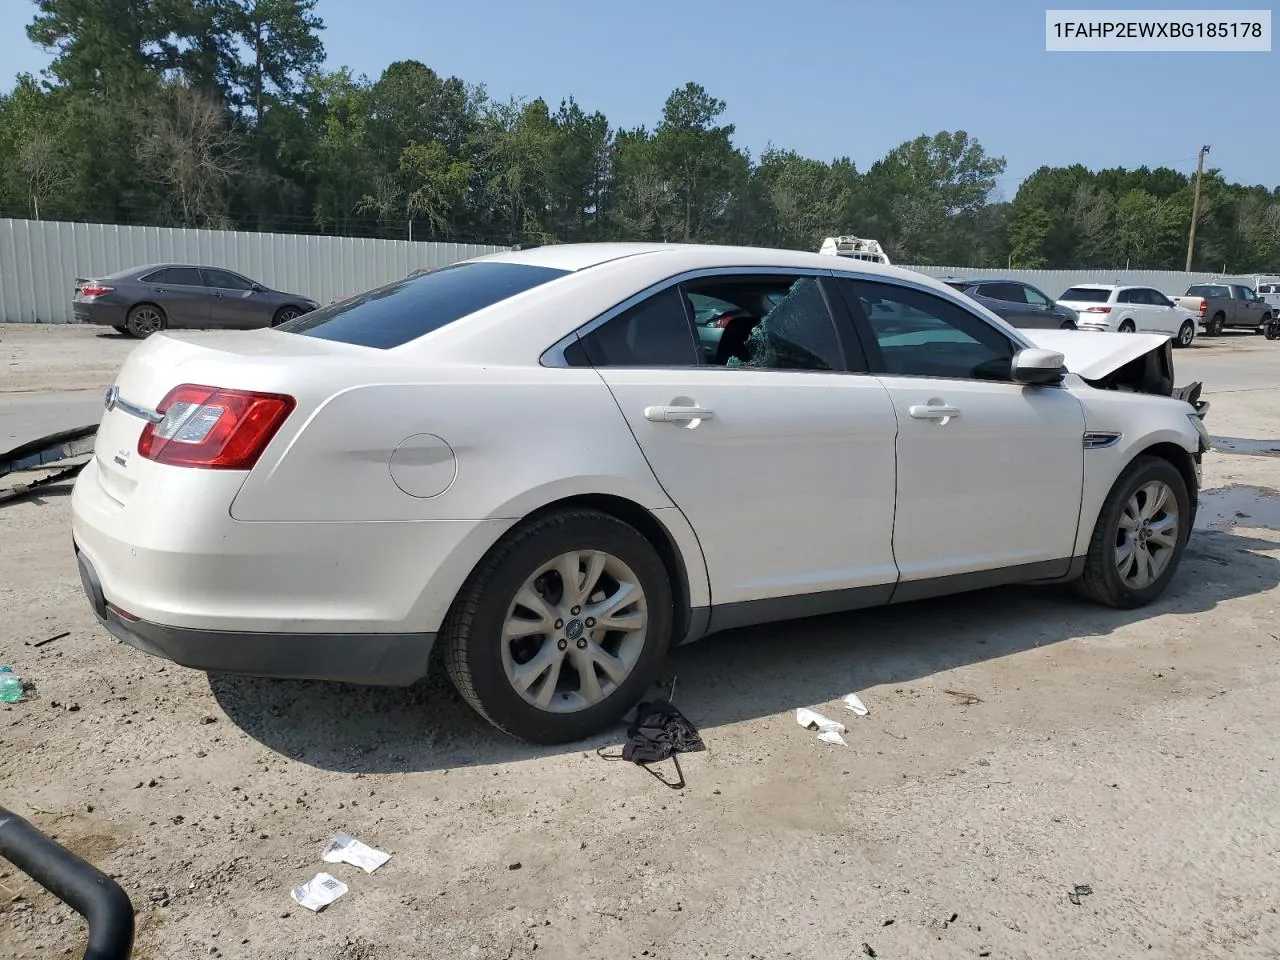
x=1034 y=296
x=1008 y=292
x=179 y=276
x=654 y=333
x=920 y=335
x=225 y=280
x=1127 y=296
x=783 y=324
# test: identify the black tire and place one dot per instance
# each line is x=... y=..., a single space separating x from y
x=1066 y=325
x=1214 y=327
x=1101 y=581
x=145 y=319
x=1186 y=335
x=1270 y=331
x=284 y=314
x=1127 y=326
x=471 y=633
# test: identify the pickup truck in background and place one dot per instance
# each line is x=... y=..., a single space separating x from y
x=1223 y=305
x=1269 y=292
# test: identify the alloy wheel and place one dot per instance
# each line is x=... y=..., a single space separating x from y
x=575 y=631
x=1147 y=537
x=145 y=321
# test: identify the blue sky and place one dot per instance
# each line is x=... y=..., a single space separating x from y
x=827 y=78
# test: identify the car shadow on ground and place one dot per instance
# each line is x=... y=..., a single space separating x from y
x=740 y=675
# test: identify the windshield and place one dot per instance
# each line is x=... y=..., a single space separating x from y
x=399 y=312
x=1086 y=295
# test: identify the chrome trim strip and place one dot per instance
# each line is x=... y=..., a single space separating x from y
x=113 y=401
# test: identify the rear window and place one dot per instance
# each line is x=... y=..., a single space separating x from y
x=1086 y=295
x=1208 y=291
x=405 y=310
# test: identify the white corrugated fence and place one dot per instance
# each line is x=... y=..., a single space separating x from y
x=41 y=260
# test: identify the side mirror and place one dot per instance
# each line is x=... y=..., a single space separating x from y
x=259 y=288
x=1038 y=367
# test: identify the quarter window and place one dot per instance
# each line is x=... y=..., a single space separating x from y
x=917 y=334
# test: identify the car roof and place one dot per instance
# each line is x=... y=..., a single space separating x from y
x=574 y=257
x=1096 y=286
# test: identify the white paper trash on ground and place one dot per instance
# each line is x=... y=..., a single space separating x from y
x=319 y=892
x=852 y=702
x=345 y=848
x=812 y=720
x=830 y=736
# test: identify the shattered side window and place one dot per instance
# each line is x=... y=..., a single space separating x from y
x=797 y=334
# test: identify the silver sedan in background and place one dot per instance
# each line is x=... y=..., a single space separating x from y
x=141 y=300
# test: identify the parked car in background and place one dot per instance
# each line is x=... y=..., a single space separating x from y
x=525 y=460
x=1121 y=309
x=1269 y=293
x=1018 y=303
x=143 y=300
x=1223 y=305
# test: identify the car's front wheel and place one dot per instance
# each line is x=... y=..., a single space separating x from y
x=561 y=628
x=1139 y=536
x=284 y=315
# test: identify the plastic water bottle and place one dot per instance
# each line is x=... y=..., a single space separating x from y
x=10 y=686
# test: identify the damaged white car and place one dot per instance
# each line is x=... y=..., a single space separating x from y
x=543 y=465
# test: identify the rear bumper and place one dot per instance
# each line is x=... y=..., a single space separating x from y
x=103 y=314
x=396 y=659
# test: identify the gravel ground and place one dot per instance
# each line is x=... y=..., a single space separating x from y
x=1131 y=752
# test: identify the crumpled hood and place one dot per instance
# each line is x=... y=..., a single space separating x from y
x=1092 y=355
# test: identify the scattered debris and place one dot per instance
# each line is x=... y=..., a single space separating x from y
x=61 y=636
x=514 y=866
x=1081 y=890
x=965 y=699
x=659 y=732
x=851 y=702
x=866 y=948
x=40 y=454
x=829 y=731
x=888 y=923
x=345 y=848
x=319 y=892
x=10 y=686
x=895 y=735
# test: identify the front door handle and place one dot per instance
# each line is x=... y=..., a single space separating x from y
x=929 y=411
x=677 y=414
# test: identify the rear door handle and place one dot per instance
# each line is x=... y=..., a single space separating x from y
x=677 y=414
x=924 y=411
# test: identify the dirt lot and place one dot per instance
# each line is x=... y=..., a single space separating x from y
x=1133 y=752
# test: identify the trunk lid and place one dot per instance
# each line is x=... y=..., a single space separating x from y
x=252 y=360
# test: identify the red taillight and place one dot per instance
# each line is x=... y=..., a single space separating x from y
x=1204 y=305
x=214 y=428
x=94 y=290
x=1097 y=310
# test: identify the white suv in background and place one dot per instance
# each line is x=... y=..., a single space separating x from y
x=1120 y=309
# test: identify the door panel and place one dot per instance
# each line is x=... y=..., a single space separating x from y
x=180 y=292
x=788 y=483
x=990 y=473
x=997 y=484
x=235 y=304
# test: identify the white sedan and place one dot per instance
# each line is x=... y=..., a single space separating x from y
x=1123 y=309
x=533 y=462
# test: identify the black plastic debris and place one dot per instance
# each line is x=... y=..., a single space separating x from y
x=659 y=732
x=41 y=455
x=1081 y=890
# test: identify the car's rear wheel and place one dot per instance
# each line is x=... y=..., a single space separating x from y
x=561 y=628
x=1186 y=334
x=284 y=315
x=1127 y=327
x=1067 y=325
x=1214 y=327
x=1139 y=537
x=144 y=320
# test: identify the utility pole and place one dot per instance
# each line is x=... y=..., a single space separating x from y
x=1195 y=207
